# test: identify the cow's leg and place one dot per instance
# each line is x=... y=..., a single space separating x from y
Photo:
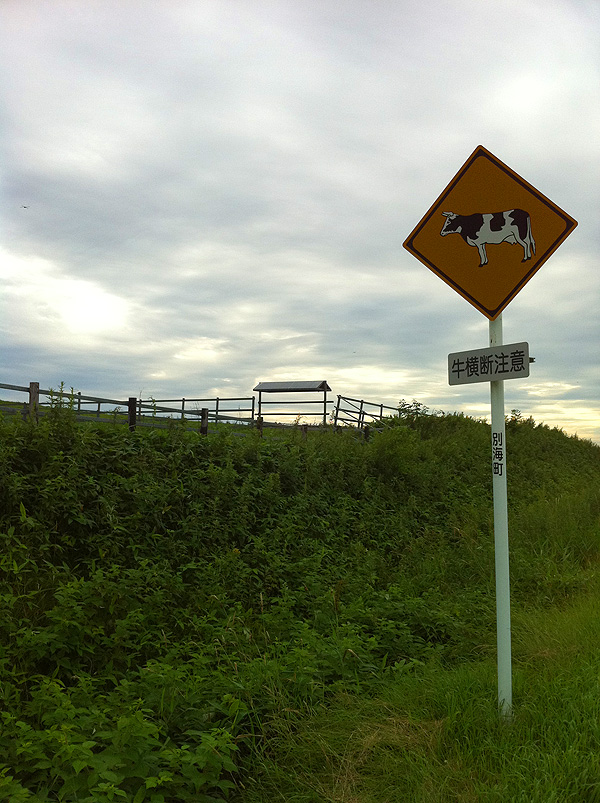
x=526 y=242
x=521 y=231
x=482 y=255
x=526 y=248
x=515 y=238
x=529 y=241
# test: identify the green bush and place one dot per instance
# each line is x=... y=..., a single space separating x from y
x=168 y=600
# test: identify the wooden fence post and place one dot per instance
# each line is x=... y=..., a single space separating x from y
x=259 y=425
x=131 y=411
x=204 y=421
x=34 y=400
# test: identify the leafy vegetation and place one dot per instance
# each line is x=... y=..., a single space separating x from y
x=178 y=611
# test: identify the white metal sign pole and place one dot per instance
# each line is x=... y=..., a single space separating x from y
x=501 y=533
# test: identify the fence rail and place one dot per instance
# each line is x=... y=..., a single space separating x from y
x=199 y=411
x=359 y=413
x=321 y=414
x=150 y=412
x=219 y=409
x=79 y=397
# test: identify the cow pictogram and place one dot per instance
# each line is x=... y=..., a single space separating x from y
x=484 y=184
x=481 y=229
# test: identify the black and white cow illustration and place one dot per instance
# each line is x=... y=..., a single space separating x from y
x=482 y=229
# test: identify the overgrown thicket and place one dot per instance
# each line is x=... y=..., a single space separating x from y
x=168 y=600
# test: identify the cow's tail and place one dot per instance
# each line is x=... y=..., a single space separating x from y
x=530 y=235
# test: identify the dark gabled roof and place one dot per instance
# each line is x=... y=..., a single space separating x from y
x=292 y=387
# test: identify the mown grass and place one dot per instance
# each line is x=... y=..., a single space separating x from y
x=187 y=618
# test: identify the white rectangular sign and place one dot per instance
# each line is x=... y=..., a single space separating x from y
x=510 y=361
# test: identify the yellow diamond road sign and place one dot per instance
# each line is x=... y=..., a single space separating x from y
x=488 y=233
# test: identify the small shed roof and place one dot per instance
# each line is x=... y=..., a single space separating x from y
x=292 y=387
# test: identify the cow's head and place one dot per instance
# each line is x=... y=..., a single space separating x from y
x=451 y=224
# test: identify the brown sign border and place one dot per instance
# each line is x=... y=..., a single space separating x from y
x=570 y=224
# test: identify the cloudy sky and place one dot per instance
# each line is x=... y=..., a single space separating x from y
x=203 y=194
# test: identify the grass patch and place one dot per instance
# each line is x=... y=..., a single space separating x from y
x=434 y=734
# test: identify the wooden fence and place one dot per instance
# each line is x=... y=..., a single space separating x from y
x=131 y=411
x=360 y=413
x=195 y=412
